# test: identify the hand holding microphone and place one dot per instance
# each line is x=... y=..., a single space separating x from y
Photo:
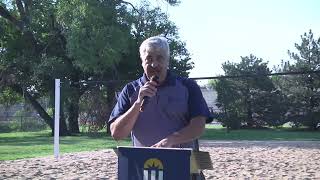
x=149 y=91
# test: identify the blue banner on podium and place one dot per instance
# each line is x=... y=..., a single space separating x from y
x=137 y=163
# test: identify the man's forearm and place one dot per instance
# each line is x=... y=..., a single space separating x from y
x=193 y=131
x=187 y=134
x=123 y=125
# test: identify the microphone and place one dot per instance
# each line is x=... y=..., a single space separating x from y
x=145 y=99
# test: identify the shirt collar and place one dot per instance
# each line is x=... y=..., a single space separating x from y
x=169 y=81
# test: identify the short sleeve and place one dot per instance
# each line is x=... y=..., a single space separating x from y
x=122 y=105
x=196 y=102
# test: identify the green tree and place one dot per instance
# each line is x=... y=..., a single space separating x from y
x=39 y=47
x=236 y=95
x=76 y=41
x=96 y=34
x=147 y=22
x=23 y=44
x=303 y=90
x=227 y=101
x=269 y=107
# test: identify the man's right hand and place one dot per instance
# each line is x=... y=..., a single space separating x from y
x=149 y=89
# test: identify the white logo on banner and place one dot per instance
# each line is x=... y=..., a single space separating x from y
x=153 y=167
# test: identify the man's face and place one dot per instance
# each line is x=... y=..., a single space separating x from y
x=155 y=62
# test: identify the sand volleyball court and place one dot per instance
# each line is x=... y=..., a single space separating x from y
x=231 y=160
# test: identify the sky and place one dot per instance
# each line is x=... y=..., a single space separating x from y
x=216 y=31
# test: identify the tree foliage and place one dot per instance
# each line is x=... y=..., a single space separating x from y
x=253 y=99
x=77 y=41
x=238 y=97
x=302 y=90
x=147 y=22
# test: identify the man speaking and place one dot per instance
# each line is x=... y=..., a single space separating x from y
x=160 y=109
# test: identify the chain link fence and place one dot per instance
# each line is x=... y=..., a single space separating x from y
x=21 y=123
x=234 y=101
x=266 y=100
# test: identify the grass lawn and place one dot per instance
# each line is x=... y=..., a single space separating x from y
x=216 y=132
x=19 y=145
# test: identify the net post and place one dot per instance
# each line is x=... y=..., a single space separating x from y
x=56 y=118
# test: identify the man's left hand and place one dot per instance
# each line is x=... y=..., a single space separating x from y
x=163 y=143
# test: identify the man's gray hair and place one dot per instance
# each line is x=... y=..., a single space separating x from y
x=157 y=43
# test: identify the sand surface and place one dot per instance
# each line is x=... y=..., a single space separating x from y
x=231 y=160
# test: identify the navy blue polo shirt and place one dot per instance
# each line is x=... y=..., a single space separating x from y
x=177 y=101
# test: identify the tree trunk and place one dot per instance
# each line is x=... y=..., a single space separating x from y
x=74 y=99
x=42 y=112
x=250 y=122
x=63 y=129
x=73 y=111
x=35 y=104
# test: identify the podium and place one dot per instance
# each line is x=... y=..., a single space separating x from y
x=146 y=163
